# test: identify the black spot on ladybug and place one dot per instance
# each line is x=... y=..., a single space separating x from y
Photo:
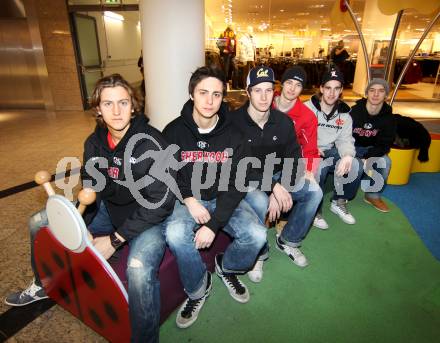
x=64 y=295
x=46 y=269
x=88 y=279
x=58 y=260
x=96 y=318
x=111 y=312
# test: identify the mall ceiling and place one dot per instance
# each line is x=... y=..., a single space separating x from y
x=298 y=15
x=291 y=16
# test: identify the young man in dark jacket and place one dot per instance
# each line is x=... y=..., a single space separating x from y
x=272 y=136
x=122 y=212
x=211 y=149
x=374 y=131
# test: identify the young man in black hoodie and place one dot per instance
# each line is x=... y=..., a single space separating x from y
x=374 y=131
x=210 y=147
x=272 y=136
x=117 y=217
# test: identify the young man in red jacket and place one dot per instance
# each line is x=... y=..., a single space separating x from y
x=306 y=124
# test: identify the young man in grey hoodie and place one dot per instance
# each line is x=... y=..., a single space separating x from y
x=336 y=146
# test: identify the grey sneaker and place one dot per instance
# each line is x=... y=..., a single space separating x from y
x=294 y=254
x=190 y=309
x=28 y=296
x=339 y=207
x=236 y=288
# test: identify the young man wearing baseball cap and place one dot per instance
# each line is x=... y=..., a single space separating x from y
x=272 y=134
x=336 y=146
x=374 y=131
x=306 y=124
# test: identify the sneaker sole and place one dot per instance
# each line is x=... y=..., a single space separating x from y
x=191 y=322
x=239 y=299
x=342 y=218
x=25 y=304
x=291 y=257
x=377 y=208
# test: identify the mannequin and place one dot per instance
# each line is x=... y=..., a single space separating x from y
x=228 y=48
x=246 y=52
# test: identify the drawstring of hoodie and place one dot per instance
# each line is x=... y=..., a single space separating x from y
x=330 y=115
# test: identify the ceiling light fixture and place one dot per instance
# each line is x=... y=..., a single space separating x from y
x=113 y=15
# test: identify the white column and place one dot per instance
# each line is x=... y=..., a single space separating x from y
x=311 y=47
x=375 y=26
x=173 y=47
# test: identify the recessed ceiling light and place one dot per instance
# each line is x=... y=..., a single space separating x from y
x=282 y=10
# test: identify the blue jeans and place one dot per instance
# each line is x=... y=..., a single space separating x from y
x=244 y=227
x=146 y=253
x=300 y=217
x=371 y=189
x=343 y=189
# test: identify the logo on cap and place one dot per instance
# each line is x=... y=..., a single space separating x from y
x=262 y=72
x=333 y=73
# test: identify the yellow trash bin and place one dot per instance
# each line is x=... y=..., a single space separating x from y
x=401 y=164
x=433 y=165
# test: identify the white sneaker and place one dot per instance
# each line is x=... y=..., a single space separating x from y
x=320 y=222
x=256 y=274
x=339 y=207
x=294 y=253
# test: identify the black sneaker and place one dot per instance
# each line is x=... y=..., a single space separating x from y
x=295 y=254
x=28 y=296
x=236 y=288
x=190 y=309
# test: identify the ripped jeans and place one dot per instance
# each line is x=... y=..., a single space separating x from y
x=146 y=253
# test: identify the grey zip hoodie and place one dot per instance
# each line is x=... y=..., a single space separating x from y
x=335 y=129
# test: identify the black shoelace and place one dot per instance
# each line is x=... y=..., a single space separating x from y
x=190 y=307
x=235 y=283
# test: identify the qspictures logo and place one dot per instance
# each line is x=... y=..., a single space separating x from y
x=209 y=169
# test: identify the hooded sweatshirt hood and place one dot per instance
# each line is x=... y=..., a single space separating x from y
x=187 y=114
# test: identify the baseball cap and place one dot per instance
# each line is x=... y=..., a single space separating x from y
x=295 y=73
x=332 y=74
x=258 y=75
x=377 y=81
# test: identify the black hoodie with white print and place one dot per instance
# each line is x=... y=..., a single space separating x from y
x=221 y=147
x=126 y=209
x=376 y=132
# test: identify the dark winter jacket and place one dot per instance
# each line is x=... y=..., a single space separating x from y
x=414 y=135
x=222 y=145
x=128 y=216
x=374 y=131
x=277 y=136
